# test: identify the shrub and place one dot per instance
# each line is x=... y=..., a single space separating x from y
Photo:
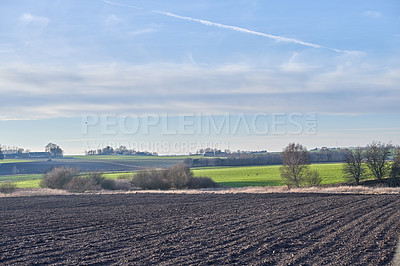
x=179 y=175
x=108 y=184
x=99 y=179
x=151 y=179
x=122 y=184
x=201 y=182
x=58 y=177
x=81 y=184
x=312 y=178
x=7 y=188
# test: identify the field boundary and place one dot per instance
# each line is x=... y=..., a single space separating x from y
x=214 y=229
x=250 y=190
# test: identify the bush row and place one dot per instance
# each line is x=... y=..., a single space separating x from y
x=71 y=179
x=178 y=177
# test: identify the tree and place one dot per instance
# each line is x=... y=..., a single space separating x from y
x=122 y=150
x=354 y=167
x=295 y=164
x=107 y=151
x=395 y=169
x=1 y=154
x=54 y=150
x=377 y=154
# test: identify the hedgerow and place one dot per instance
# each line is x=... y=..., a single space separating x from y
x=178 y=177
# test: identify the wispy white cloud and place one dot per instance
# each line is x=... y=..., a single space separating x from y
x=372 y=14
x=32 y=91
x=142 y=31
x=113 y=19
x=233 y=28
x=296 y=67
x=28 y=18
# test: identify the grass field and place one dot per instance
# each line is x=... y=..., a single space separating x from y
x=126 y=175
x=35 y=183
x=19 y=177
x=226 y=176
x=265 y=175
x=16 y=161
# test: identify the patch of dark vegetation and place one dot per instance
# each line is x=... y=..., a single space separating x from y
x=201 y=182
x=7 y=188
x=72 y=180
x=82 y=184
x=385 y=182
x=177 y=177
x=59 y=177
x=122 y=184
x=151 y=179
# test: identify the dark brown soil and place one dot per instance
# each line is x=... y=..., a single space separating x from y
x=257 y=229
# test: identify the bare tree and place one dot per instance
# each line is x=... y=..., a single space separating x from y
x=354 y=167
x=395 y=168
x=377 y=154
x=295 y=164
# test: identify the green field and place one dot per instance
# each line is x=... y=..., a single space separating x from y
x=16 y=161
x=119 y=175
x=226 y=176
x=265 y=175
x=19 y=177
x=35 y=183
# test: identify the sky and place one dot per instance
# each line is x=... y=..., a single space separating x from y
x=176 y=76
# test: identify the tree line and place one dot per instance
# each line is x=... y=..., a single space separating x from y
x=122 y=150
x=245 y=159
x=296 y=172
x=375 y=158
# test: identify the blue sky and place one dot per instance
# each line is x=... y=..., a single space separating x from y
x=64 y=61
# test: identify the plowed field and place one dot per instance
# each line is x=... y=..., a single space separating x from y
x=257 y=229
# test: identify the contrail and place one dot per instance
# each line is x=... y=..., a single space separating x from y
x=233 y=28
x=123 y=5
